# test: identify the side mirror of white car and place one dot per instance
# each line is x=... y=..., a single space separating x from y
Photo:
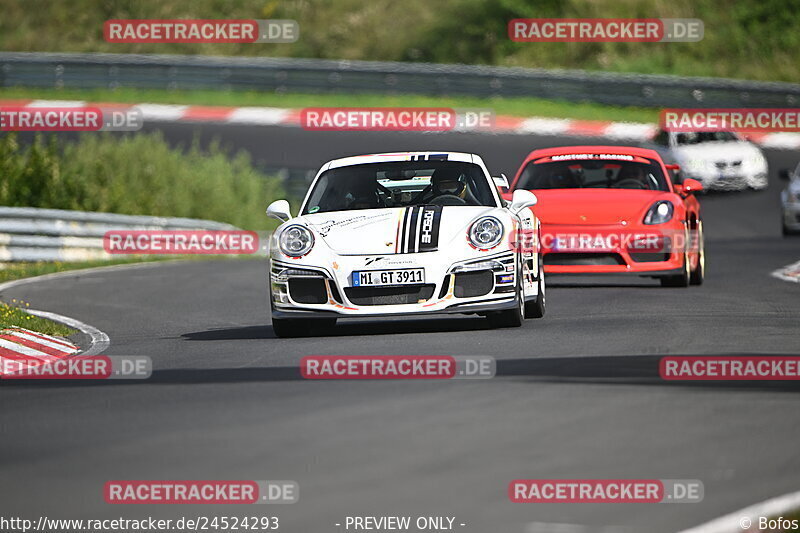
x=522 y=199
x=279 y=209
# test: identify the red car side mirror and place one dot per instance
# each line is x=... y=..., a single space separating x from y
x=673 y=167
x=691 y=186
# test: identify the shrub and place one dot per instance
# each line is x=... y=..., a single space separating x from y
x=138 y=175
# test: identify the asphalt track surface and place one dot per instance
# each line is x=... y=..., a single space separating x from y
x=577 y=393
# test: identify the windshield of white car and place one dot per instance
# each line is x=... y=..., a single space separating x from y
x=400 y=184
x=697 y=137
x=567 y=173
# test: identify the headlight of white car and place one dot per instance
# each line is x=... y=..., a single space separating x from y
x=756 y=161
x=296 y=241
x=659 y=213
x=696 y=164
x=486 y=233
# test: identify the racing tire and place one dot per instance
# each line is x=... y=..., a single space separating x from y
x=511 y=318
x=787 y=232
x=684 y=278
x=536 y=308
x=678 y=280
x=699 y=273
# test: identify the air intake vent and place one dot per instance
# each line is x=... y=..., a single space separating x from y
x=308 y=290
x=471 y=284
x=407 y=294
x=641 y=257
x=565 y=259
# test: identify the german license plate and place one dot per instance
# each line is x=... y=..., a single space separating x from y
x=401 y=276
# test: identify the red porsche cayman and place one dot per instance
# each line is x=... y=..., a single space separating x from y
x=612 y=209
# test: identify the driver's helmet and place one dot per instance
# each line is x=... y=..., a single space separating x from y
x=632 y=172
x=447 y=181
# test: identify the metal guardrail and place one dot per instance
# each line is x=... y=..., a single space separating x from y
x=33 y=234
x=86 y=71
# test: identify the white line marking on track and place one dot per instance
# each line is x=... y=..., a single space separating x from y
x=266 y=116
x=544 y=126
x=630 y=130
x=100 y=340
x=731 y=523
x=157 y=112
x=57 y=103
x=788 y=273
x=546 y=527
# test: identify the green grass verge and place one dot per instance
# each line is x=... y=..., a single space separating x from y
x=13 y=314
x=520 y=107
x=138 y=174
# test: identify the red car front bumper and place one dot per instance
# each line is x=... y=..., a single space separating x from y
x=589 y=249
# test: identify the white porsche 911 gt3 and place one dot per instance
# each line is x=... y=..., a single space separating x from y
x=402 y=234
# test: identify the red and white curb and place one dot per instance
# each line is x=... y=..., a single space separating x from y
x=788 y=273
x=20 y=346
x=277 y=116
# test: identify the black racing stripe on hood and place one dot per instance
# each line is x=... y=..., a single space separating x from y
x=403 y=237
x=429 y=230
x=412 y=230
x=419 y=229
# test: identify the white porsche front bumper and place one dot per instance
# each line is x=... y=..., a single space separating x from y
x=731 y=177
x=475 y=285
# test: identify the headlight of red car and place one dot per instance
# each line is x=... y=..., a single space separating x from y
x=660 y=212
